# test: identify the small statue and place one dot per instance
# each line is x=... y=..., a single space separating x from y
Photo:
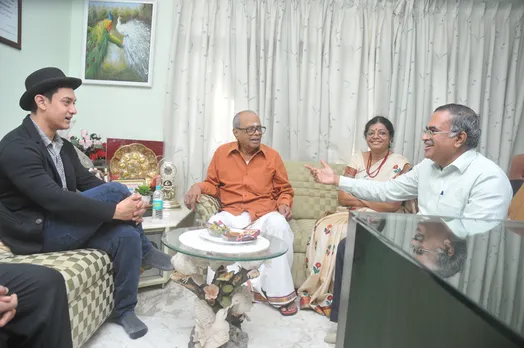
x=186 y=267
x=168 y=194
x=241 y=302
x=211 y=331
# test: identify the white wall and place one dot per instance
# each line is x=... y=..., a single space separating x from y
x=45 y=42
x=52 y=36
x=118 y=111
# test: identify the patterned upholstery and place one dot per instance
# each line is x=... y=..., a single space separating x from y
x=311 y=201
x=299 y=228
x=299 y=269
x=88 y=274
x=207 y=207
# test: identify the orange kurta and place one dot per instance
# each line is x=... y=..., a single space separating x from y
x=258 y=187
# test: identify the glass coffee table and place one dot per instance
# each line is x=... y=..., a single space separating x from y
x=171 y=239
x=222 y=304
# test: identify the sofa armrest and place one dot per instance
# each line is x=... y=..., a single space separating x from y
x=207 y=207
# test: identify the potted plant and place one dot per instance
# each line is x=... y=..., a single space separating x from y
x=145 y=191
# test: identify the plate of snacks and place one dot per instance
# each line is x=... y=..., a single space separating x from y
x=220 y=233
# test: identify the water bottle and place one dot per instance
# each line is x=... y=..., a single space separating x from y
x=158 y=203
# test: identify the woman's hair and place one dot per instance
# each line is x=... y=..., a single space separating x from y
x=381 y=119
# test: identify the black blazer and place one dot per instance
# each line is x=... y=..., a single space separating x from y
x=30 y=188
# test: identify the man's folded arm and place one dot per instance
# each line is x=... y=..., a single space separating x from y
x=402 y=188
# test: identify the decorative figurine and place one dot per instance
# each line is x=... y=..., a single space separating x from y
x=168 y=175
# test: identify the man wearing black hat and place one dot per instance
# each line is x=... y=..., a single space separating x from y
x=41 y=209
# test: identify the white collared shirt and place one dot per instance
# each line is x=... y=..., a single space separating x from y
x=472 y=187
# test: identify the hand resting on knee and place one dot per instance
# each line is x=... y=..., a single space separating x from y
x=131 y=208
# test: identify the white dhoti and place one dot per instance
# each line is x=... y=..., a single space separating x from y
x=275 y=283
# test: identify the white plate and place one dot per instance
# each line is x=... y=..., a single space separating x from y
x=192 y=239
x=204 y=234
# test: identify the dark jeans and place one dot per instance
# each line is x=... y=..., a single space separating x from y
x=42 y=315
x=337 y=287
x=125 y=243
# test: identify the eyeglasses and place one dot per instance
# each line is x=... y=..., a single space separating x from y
x=420 y=250
x=252 y=129
x=431 y=133
x=381 y=134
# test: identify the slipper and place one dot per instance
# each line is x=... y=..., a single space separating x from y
x=289 y=309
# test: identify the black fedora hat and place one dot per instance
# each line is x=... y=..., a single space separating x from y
x=44 y=80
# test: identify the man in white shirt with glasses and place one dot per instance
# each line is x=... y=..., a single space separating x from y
x=453 y=180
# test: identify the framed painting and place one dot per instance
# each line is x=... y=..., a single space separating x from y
x=118 y=41
x=11 y=23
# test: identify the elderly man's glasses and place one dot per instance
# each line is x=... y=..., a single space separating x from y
x=252 y=129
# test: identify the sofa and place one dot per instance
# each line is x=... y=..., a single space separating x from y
x=88 y=274
x=311 y=201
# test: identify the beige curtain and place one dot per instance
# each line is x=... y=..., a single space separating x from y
x=317 y=71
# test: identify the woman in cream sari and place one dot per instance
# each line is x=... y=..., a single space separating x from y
x=377 y=164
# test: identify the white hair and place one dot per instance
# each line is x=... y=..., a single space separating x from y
x=236 y=119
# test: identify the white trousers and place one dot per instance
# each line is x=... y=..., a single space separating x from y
x=275 y=283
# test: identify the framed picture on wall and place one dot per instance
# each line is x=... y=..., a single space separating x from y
x=118 y=41
x=11 y=23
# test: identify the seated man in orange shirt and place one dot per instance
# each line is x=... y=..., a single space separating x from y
x=251 y=182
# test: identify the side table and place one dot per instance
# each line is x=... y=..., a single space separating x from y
x=222 y=305
x=173 y=218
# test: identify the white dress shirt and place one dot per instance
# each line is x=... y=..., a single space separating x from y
x=472 y=187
